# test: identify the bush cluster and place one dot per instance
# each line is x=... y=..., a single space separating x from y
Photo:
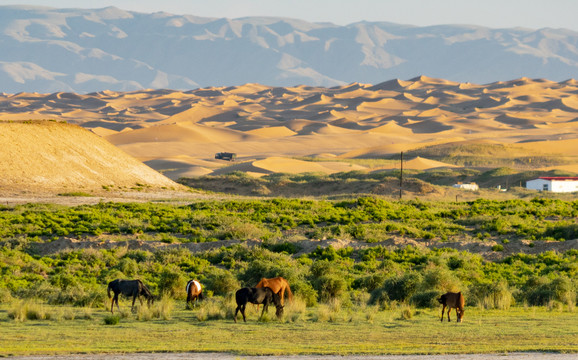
x=378 y=274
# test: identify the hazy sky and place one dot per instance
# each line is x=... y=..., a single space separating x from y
x=491 y=13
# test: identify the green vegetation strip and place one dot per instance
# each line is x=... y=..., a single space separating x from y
x=368 y=300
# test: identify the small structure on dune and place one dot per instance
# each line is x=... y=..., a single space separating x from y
x=554 y=184
x=471 y=186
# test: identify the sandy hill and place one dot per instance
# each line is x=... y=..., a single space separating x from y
x=278 y=125
x=47 y=155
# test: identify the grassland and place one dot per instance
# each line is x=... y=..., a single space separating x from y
x=363 y=297
x=357 y=330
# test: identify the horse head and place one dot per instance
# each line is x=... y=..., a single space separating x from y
x=460 y=315
x=279 y=311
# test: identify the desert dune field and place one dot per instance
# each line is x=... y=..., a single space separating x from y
x=271 y=129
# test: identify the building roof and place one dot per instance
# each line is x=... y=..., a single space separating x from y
x=559 y=178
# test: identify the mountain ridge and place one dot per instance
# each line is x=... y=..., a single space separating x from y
x=85 y=50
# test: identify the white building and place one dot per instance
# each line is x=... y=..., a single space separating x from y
x=470 y=186
x=553 y=184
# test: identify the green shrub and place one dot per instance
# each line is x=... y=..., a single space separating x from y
x=403 y=287
x=498 y=247
x=495 y=295
x=111 y=319
x=379 y=297
x=440 y=279
x=222 y=282
x=5 y=296
x=426 y=299
x=172 y=282
x=542 y=291
x=305 y=291
x=330 y=286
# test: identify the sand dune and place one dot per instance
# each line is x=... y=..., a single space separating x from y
x=179 y=132
x=61 y=157
x=272 y=132
x=293 y=166
x=420 y=163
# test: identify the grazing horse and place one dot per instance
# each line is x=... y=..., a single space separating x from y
x=279 y=285
x=134 y=288
x=452 y=301
x=194 y=292
x=263 y=296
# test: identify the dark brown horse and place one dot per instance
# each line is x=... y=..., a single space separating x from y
x=263 y=296
x=452 y=300
x=194 y=292
x=128 y=288
x=279 y=285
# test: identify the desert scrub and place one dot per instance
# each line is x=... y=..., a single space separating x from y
x=111 y=319
x=28 y=310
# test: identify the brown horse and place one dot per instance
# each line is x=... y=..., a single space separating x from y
x=452 y=300
x=194 y=292
x=279 y=285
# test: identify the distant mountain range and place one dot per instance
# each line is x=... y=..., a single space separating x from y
x=48 y=50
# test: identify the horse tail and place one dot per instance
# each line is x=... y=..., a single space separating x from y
x=188 y=286
x=289 y=293
x=108 y=290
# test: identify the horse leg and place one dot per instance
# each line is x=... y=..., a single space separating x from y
x=443 y=309
x=265 y=309
x=115 y=300
x=243 y=312
x=281 y=293
x=236 y=311
x=449 y=310
x=112 y=305
x=133 y=300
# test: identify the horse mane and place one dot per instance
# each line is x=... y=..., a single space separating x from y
x=189 y=285
x=145 y=291
x=276 y=298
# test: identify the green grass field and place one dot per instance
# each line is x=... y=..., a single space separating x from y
x=315 y=330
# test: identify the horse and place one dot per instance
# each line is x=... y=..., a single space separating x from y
x=279 y=285
x=134 y=288
x=194 y=292
x=452 y=300
x=263 y=296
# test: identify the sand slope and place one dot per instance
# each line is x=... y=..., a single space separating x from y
x=63 y=157
x=352 y=121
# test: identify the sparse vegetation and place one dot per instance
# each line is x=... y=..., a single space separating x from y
x=365 y=286
x=433 y=184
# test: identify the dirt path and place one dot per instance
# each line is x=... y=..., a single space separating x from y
x=226 y=356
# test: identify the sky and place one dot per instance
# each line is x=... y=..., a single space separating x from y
x=534 y=14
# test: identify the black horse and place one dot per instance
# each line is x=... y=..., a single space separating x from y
x=128 y=288
x=263 y=296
